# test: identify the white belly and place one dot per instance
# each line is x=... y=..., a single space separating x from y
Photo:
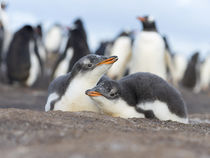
x=64 y=64
x=161 y=111
x=148 y=54
x=34 y=68
x=53 y=39
x=180 y=64
x=122 y=49
x=75 y=98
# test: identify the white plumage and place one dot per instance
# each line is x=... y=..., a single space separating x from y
x=148 y=54
x=34 y=66
x=122 y=49
x=53 y=39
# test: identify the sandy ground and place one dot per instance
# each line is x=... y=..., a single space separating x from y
x=28 y=132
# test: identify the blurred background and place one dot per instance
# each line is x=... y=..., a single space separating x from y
x=185 y=22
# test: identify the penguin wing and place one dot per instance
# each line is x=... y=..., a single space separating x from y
x=59 y=85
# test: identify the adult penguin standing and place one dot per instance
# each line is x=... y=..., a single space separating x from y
x=76 y=48
x=148 y=50
x=23 y=60
x=121 y=48
x=191 y=75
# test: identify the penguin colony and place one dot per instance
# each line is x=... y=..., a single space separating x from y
x=138 y=68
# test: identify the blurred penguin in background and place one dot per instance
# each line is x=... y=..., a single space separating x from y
x=205 y=74
x=76 y=48
x=53 y=39
x=169 y=61
x=1 y=41
x=122 y=48
x=23 y=60
x=191 y=74
x=40 y=43
x=180 y=65
x=5 y=24
x=104 y=48
x=148 y=50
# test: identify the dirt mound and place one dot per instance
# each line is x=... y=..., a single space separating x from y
x=34 y=134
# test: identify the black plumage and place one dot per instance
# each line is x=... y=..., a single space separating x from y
x=190 y=77
x=18 y=56
x=78 y=42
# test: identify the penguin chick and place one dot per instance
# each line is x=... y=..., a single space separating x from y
x=67 y=92
x=141 y=95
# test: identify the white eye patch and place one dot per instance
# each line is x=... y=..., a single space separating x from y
x=86 y=61
x=151 y=19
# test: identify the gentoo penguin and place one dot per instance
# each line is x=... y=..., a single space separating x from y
x=67 y=92
x=191 y=74
x=76 y=48
x=104 y=48
x=5 y=22
x=1 y=40
x=180 y=64
x=148 y=50
x=205 y=74
x=23 y=60
x=141 y=95
x=121 y=48
x=40 y=43
x=53 y=39
x=168 y=60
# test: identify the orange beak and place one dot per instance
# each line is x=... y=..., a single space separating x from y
x=93 y=93
x=141 y=18
x=110 y=60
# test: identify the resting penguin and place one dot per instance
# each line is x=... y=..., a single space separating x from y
x=23 y=59
x=148 y=50
x=122 y=49
x=67 y=92
x=191 y=74
x=141 y=95
x=76 y=48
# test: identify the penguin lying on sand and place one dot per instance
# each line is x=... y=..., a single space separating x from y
x=141 y=95
x=67 y=92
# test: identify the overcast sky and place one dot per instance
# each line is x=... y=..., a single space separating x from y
x=185 y=22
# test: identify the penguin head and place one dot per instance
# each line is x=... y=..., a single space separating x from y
x=27 y=32
x=93 y=65
x=78 y=29
x=105 y=94
x=148 y=23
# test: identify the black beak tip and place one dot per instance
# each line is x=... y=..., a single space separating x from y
x=86 y=92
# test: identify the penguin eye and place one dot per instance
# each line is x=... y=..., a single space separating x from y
x=112 y=94
x=90 y=65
